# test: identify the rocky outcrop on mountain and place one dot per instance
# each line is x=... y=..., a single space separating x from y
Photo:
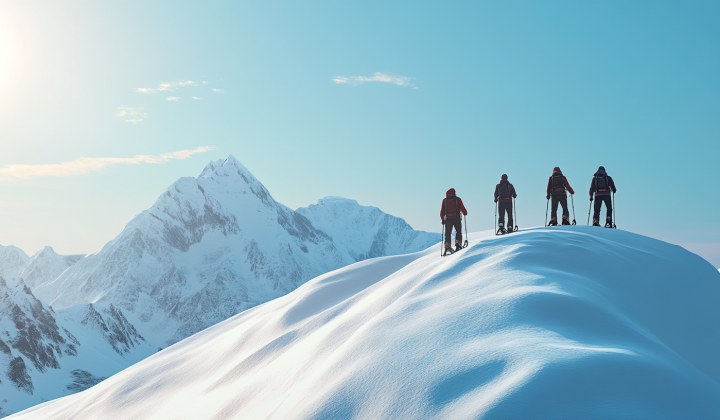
x=218 y=244
x=40 y=348
x=31 y=330
x=114 y=327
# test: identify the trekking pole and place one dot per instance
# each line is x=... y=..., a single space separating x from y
x=515 y=210
x=442 y=240
x=496 y=209
x=465 y=244
x=573 y=204
x=614 y=224
x=588 y=222
x=546 y=209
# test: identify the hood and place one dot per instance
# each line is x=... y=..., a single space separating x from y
x=451 y=191
x=503 y=178
x=556 y=169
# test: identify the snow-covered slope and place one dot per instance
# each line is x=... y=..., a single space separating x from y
x=568 y=322
x=45 y=355
x=215 y=245
x=12 y=260
x=46 y=265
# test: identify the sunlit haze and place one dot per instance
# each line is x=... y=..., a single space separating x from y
x=103 y=105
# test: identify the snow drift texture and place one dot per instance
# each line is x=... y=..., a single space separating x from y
x=569 y=322
x=213 y=246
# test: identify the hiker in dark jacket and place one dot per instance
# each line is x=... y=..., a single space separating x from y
x=557 y=185
x=601 y=185
x=450 y=211
x=504 y=193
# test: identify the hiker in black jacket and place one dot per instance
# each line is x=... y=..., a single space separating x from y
x=601 y=186
x=504 y=193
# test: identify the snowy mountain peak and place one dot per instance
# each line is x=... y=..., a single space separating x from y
x=217 y=244
x=12 y=260
x=332 y=200
x=45 y=264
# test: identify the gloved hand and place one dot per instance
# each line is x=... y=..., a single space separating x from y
x=590 y=198
x=547 y=197
x=496 y=200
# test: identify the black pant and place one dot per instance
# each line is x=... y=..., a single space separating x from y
x=562 y=199
x=505 y=206
x=457 y=224
x=599 y=199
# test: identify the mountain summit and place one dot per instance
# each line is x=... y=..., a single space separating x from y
x=218 y=244
x=569 y=322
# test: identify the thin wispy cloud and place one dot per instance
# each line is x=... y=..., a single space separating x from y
x=167 y=87
x=195 y=97
x=172 y=98
x=85 y=165
x=204 y=81
x=217 y=90
x=131 y=114
x=377 y=77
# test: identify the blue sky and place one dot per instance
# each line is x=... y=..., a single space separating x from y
x=435 y=95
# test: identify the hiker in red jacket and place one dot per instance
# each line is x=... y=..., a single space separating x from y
x=557 y=185
x=504 y=193
x=450 y=211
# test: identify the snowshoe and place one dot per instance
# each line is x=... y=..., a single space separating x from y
x=565 y=221
x=553 y=222
x=458 y=247
x=596 y=223
x=448 y=250
x=510 y=229
x=501 y=231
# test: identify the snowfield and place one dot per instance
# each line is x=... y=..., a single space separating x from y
x=563 y=323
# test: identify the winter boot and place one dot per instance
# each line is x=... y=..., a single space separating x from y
x=510 y=229
x=553 y=221
x=565 y=220
x=448 y=249
x=608 y=222
x=596 y=222
x=458 y=246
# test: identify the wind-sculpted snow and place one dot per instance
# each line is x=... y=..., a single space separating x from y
x=562 y=323
x=40 y=347
x=216 y=245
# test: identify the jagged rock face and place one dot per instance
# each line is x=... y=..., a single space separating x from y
x=36 y=343
x=114 y=327
x=215 y=245
x=83 y=380
x=29 y=330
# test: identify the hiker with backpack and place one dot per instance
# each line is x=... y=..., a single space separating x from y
x=450 y=214
x=504 y=194
x=601 y=186
x=557 y=185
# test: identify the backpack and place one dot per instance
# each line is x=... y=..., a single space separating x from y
x=601 y=183
x=504 y=190
x=558 y=183
x=452 y=208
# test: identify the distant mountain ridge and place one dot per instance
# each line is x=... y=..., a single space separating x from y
x=213 y=246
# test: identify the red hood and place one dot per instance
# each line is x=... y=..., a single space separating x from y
x=556 y=169
x=451 y=191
